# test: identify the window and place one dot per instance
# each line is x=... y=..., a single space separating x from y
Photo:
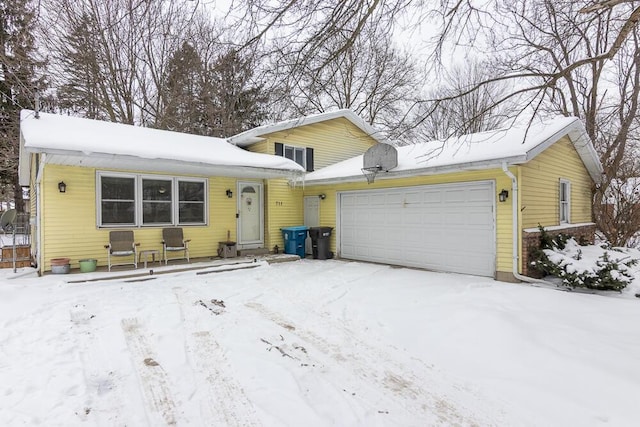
x=156 y=201
x=565 y=201
x=301 y=155
x=118 y=205
x=295 y=153
x=143 y=200
x=191 y=202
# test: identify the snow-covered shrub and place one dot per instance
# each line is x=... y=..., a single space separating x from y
x=593 y=267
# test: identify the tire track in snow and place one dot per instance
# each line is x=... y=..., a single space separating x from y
x=226 y=403
x=103 y=395
x=160 y=406
x=396 y=385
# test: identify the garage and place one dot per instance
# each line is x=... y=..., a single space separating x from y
x=443 y=227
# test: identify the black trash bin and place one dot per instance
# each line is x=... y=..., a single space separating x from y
x=320 y=237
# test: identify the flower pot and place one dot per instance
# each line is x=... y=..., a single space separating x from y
x=60 y=269
x=88 y=265
x=60 y=265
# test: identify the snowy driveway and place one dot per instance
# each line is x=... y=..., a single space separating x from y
x=314 y=343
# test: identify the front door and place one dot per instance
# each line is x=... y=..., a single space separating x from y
x=250 y=215
x=311 y=217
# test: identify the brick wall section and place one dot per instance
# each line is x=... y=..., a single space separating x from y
x=584 y=234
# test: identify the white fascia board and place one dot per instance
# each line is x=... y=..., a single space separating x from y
x=587 y=153
x=581 y=142
x=124 y=162
x=437 y=170
x=252 y=136
x=535 y=151
x=24 y=164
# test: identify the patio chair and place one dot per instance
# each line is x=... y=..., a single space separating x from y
x=121 y=244
x=173 y=241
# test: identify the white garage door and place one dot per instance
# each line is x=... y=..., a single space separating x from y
x=439 y=227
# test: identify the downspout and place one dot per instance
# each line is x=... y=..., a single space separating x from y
x=38 y=187
x=515 y=228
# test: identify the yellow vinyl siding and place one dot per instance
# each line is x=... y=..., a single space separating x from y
x=283 y=208
x=540 y=178
x=332 y=141
x=328 y=209
x=69 y=227
x=263 y=147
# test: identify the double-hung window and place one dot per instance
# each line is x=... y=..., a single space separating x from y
x=295 y=153
x=565 y=201
x=149 y=200
x=156 y=201
x=117 y=200
x=301 y=155
x=191 y=202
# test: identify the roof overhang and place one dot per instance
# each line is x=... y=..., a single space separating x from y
x=255 y=135
x=168 y=166
x=436 y=170
x=573 y=129
x=74 y=141
x=581 y=142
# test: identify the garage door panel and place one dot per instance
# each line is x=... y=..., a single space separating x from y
x=440 y=227
x=432 y=196
x=455 y=196
x=480 y=195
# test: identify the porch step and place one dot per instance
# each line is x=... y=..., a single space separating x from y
x=253 y=252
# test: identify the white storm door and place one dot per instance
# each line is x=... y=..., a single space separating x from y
x=250 y=215
x=311 y=217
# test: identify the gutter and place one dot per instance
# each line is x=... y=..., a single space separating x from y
x=38 y=188
x=166 y=165
x=426 y=171
x=515 y=228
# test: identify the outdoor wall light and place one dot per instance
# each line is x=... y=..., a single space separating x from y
x=504 y=194
x=229 y=193
x=322 y=196
x=62 y=187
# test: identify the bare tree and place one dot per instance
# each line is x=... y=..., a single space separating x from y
x=110 y=58
x=372 y=77
x=452 y=110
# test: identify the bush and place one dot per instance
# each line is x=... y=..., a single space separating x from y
x=561 y=256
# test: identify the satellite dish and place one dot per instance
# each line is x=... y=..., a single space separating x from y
x=7 y=219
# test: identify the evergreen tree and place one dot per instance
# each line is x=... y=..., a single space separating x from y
x=234 y=101
x=183 y=105
x=79 y=95
x=18 y=86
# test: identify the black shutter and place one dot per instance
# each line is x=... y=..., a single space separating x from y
x=309 y=152
x=279 y=149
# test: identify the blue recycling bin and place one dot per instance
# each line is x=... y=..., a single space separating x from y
x=294 y=238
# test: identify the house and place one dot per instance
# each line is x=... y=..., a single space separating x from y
x=467 y=205
x=446 y=206
x=88 y=177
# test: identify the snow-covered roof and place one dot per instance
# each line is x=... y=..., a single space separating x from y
x=77 y=141
x=484 y=150
x=255 y=135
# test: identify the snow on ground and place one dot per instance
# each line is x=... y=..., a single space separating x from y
x=313 y=343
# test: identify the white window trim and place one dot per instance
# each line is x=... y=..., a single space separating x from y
x=567 y=202
x=294 y=148
x=205 y=202
x=138 y=202
x=99 y=175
